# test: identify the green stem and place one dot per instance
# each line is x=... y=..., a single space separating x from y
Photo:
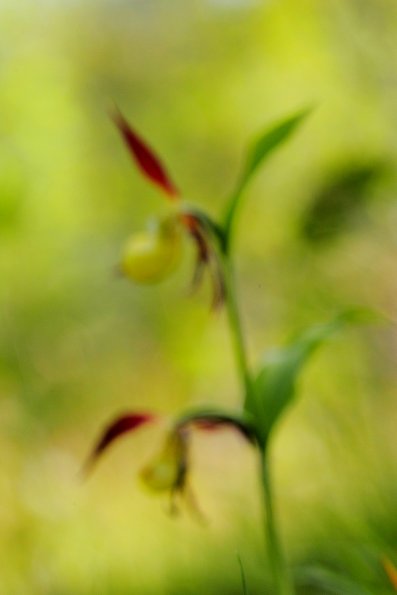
x=236 y=328
x=281 y=578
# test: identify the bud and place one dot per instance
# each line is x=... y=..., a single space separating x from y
x=152 y=255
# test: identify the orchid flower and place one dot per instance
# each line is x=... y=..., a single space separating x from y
x=168 y=471
x=151 y=255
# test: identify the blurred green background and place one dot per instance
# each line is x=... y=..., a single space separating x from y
x=78 y=345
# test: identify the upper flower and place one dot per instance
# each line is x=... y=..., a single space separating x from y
x=151 y=255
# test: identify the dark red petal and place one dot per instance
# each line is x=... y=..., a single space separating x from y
x=198 y=275
x=121 y=425
x=194 y=227
x=216 y=422
x=146 y=159
x=218 y=283
x=202 y=256
x=206 y=257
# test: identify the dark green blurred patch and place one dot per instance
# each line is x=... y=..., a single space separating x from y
x=317 y=580
x=340 y=202
x=344 y=556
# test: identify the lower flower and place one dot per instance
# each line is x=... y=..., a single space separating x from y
x=169 y=470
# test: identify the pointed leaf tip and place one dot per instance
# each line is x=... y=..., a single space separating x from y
x=123 y=424
x=147 y=161
x=275 y=384
x=270 y=140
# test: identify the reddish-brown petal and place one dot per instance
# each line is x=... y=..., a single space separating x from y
x=218 y=282
x=202 y=256
x=123 y=424
x=216 y=422
x=194 y=227
x=144 y=156
x=206 y=257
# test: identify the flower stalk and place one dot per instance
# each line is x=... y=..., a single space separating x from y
x=149 y=257
x=236 y=331
x=281 y=579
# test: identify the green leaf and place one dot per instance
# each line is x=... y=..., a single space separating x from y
x=270 y=140
x=242 y=574
x=274 y=387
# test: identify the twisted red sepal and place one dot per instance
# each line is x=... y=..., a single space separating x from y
x=121 y=425
x=207 y=257
x=146 y=159
x=219 y=422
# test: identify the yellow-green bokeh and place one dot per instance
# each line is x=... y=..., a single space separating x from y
x=199 y=79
